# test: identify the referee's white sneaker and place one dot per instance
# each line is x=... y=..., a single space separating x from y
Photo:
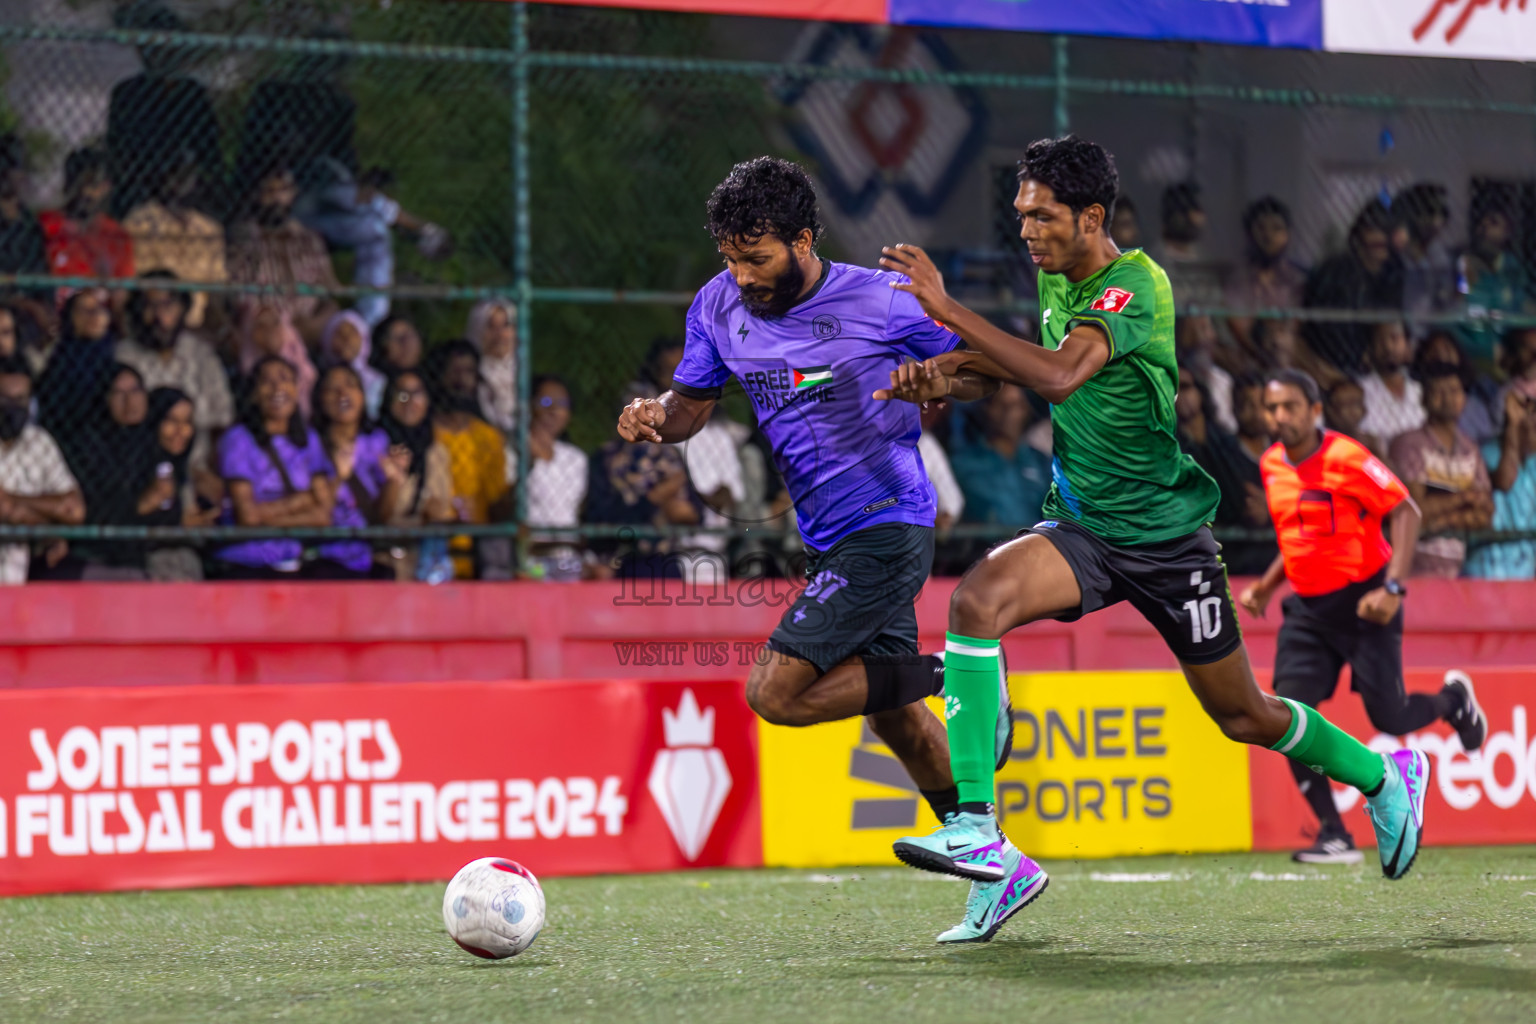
x=1468 y=719
x=1329 y=850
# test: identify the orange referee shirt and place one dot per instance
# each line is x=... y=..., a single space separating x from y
x=1328 y=513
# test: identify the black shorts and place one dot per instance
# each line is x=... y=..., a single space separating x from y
x=1179 y=586
x=859 y=597
x=1320 y=635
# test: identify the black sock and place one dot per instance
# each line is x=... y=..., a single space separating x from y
x=943 y=801
x=896 y=680
x=976 y=808
x=1320 y=798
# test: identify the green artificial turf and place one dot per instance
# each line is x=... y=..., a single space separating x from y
x=1247 y=937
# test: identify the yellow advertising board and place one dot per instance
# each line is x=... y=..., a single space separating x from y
x=1104 y=764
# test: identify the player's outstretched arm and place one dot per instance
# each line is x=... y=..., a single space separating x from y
x=939 y=377
x=1053 y=374
x=665 y=420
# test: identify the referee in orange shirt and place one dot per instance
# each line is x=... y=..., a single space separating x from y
x=1327 y=495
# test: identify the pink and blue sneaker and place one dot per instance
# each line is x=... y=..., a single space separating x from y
x=991 y=904
x=1397 y=810
x=968 y=845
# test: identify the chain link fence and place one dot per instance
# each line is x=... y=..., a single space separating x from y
x=298 y=287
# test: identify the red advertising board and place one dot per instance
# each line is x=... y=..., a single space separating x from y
x=1487 y=798
x=214 y=785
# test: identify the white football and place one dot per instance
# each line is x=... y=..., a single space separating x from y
x=494 y=908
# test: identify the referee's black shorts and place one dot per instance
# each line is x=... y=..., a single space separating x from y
x=1322 y=634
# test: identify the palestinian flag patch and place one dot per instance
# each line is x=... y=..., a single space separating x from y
x=812 y=377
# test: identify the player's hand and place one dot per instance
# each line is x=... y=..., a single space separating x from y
x=1379 y=606
x=1255 y=599
x=927 y=284
x=916 y=383
x=639 y=420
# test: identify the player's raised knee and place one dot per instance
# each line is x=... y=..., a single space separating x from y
x=975 y=608
x=771 y=700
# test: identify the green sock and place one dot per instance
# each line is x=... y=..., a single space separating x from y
x=1323 y=747
x=970 y=710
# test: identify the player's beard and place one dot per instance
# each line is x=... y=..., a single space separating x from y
x=778 y=301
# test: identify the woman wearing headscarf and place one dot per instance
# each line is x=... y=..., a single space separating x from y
x=106 y=452
x=164 y=495
x=69 y=390
x=266 y=329
x=347 y=340
x=426 y=494
x=492 y=329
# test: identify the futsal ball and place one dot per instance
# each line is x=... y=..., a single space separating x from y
x=494 y=908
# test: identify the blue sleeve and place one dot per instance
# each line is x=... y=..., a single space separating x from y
x=701 y=374
x=915 y=332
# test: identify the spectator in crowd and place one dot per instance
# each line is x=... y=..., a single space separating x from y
x=169 y=354
x=305 y=114
x=1367 y=275
x=265 y=331
x=1252 y=421
x=1394 y=401
x=36 y=487
x=426 y=492
x=1233 y=465
x=492 y=329
x=171 y=235
x=277 y=475
x=22 y=250
x=112 y=443
x=1268 y=277
x=369 y=470
x=1195 y=280
x=396 y=346
x=269 y=246
x=1481 y=419
x=10 y=334
x=557 y=483
x=1429 y=269
x=951 y=500
x=643 y=485
x=164 y=487
x=1446 y=475
x=80 y=239
x=1197 y=351
x=1343 y=411
x=476 y=453
x=1519 y=363
x=155 y=115
x=1513 y=456
x=1124 y=226
x=1278 y=345
x=1003 y=480
x=348 y=340
x=1492 y=277
x=70 y=388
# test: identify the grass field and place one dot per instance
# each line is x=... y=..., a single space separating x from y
x=1179 y=939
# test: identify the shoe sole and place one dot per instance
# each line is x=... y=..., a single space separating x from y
x=927 y=860
x=1005 y=706
x=1458 y=676
x=986 y=936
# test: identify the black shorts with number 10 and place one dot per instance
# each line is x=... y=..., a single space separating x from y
x=1179 y=586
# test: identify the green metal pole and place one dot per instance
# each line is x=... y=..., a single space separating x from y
x=1063 y=118
x=521 y=269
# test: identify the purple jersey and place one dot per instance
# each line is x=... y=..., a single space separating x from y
x=848 y=460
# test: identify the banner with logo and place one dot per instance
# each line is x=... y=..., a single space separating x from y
x=218 y=785
x=1103 y=764
x=1289 y=23
x=1489 y=797
x=1493 y=29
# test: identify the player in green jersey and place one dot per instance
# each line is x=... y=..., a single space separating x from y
x=1127 y=521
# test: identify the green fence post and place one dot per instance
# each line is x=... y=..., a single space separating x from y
x=1063 y=118
x=521 y=270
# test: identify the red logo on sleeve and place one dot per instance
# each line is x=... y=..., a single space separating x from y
x=1114 y=300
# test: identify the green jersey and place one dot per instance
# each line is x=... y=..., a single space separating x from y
x=1116 y=466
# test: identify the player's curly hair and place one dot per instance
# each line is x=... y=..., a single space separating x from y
x=764 y=196
x=1079 y=172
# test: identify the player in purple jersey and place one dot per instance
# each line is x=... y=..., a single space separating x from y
x=810 y=341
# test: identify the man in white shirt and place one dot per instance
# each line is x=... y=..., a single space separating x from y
x=1394 y=401
x=951 y=500
x=36 y=487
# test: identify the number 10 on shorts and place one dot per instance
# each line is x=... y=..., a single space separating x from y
x=1204 y=612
